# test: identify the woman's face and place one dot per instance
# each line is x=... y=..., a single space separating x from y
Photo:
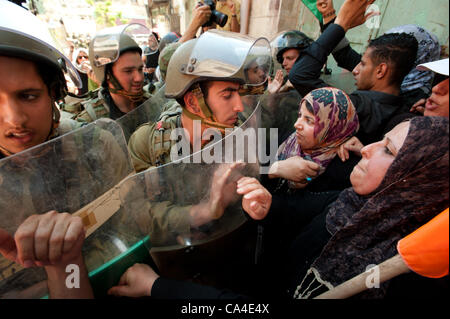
x=376 y=160
x=304 y=127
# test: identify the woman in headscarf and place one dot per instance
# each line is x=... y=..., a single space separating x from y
x=307 y=172
x=327 y=118
x=400 y=184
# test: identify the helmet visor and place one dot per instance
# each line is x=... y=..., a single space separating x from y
x=221 y=54
x=106 y=44
x=258 y=63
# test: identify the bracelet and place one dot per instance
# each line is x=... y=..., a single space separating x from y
x=329 y=14
x=233 y=15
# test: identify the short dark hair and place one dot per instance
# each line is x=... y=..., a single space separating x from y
x=108 y=67
x=53 y=79
x=399 y=50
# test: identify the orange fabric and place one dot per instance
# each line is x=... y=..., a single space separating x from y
x=425 y=251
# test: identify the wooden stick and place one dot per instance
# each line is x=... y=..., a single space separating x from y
x=387 y=270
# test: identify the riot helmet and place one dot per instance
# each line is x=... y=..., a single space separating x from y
x=215 y=56
x=164 y=58
x=110 y=43
x=285 y=40
x=170 y=37
x=106 y=48
x=26 y=37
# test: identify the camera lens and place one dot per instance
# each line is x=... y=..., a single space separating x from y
x=219 y=18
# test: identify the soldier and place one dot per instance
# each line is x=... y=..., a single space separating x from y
x=120 y=72
x=287 y=47
x=212 y=98
x=31 y=80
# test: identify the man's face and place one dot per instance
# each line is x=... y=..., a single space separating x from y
x=376 y=159
x=128 y=70
x=364 y=72
x=25 y=105
x=256 y=74
x=152 y=42
x=224 y=101
x=437 y=103
x=289 y=58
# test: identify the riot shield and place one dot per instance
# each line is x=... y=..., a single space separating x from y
x=166 y=199
x=74 y=173
x=148 y=111
x=144 y=212
x=280 y=111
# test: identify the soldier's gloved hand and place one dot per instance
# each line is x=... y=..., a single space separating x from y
x=137 y=281
x=257 y=199
x=49 y=239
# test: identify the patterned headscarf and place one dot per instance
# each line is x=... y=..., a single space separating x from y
x=428 y=51
x=365 y=229
x=335 y=122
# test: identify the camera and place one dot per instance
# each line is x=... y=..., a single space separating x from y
x=216 y=16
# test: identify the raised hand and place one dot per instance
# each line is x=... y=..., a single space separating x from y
x=275 y=84
x=353 y=13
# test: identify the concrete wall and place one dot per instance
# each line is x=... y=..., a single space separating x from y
x=268 y=17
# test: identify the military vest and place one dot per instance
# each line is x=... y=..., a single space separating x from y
x=96 y=106
x=160 y=141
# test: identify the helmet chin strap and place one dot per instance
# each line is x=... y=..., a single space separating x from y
x=118 y=89
x=209 y=119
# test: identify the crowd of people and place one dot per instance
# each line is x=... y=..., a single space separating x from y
x=357 y=172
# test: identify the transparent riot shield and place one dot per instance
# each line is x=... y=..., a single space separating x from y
x=280 y=111
x=189 y=208
x=74 y=173
x=148 y=111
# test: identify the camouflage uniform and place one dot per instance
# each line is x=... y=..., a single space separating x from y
x=96 y=106
x=150 y=145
